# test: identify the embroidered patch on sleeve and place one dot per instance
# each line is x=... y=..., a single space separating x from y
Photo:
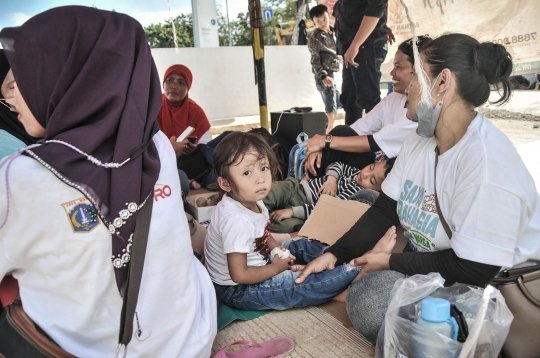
x=82 y=216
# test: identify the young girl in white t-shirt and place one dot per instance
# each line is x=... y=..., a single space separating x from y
x=250 y=270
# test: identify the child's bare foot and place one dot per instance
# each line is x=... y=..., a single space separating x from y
x=387 y=242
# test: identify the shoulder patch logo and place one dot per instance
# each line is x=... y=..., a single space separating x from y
x=82 y=216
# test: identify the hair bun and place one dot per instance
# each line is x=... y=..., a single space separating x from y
x=493 y=61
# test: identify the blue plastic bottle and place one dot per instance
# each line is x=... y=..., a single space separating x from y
x=436 y=316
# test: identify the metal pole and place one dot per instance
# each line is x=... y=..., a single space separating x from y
x=228 y=24
x=256 y=19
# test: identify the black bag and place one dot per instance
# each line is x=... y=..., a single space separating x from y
x=279 y=150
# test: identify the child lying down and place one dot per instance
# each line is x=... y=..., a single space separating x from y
x=291 y=202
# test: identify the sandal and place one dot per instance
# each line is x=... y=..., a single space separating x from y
x=273 y=348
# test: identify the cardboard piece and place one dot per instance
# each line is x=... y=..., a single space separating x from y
x=203 y=206
x=329 y=221
x=332 y=218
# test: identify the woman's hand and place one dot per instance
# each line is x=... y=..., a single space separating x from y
x=315 y=143
x=178 y=146
x=189 y=148
x=330 y=186
x=326 y=261
x=314 y=147
x=282 y=214
x=313 y=161
x=183 y=147
x=378 y=259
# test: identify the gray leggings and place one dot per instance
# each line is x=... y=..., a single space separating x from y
x=367 y=301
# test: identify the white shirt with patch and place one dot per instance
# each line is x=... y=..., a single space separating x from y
x=60 y=253
x=233 y=228
x=486 y=194
x=387 y=123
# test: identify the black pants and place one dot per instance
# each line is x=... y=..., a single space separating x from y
x=357 y=160
x=360 y=89
x=195 y=164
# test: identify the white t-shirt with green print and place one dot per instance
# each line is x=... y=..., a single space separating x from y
x=485 y=192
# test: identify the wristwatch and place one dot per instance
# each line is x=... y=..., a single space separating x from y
x=327 y=141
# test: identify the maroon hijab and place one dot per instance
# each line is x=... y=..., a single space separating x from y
x=89 y=78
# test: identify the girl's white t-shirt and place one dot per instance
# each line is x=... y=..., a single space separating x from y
x=485 y=192
x=233 y=228
x=60 y=253
x=387 y=123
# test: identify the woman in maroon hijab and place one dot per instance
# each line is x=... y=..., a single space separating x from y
x=86 y=82
x=178 y=111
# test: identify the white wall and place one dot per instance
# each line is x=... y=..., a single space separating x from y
x=224 y=80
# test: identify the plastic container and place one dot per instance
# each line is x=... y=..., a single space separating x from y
x=435 y=315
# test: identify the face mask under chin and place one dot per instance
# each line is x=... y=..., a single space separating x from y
x=427 y=118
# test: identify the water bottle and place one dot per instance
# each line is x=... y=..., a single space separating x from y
x=435 y=315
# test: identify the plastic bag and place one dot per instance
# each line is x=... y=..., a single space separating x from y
x=401 y=337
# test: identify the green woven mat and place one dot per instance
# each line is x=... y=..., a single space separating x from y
x=227 y=314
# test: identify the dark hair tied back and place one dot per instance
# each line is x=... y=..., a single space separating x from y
x=493 y=61
x=475 y=65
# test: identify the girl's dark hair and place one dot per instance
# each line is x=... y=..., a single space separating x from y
x=476 y=66
x=317 y=11
x=407 y=49
x=234 y=147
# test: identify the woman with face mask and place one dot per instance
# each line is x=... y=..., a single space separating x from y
x=68 y=206
x=460 y=190
x=383 y=129
x=12 y=133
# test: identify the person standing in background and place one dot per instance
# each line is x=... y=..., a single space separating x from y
x=324 y=61
x=362 y=41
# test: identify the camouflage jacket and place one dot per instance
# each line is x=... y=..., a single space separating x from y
x=324 y=58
